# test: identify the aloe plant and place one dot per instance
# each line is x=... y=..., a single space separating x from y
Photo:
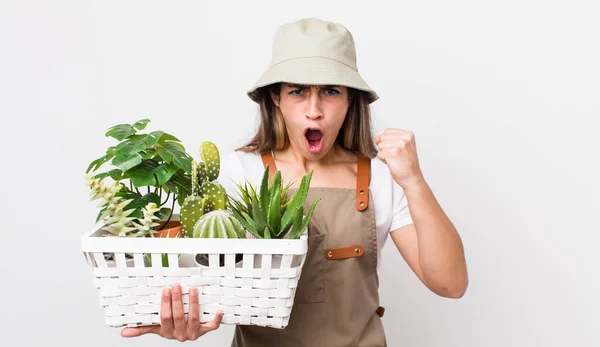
x=270 y=213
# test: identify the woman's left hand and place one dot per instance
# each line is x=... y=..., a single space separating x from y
x=398 y=150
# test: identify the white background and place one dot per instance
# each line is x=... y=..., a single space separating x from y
x=502 y=96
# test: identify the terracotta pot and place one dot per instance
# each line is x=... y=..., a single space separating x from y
x=172 y=229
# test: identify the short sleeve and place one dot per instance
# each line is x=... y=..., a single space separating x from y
x=400 y=212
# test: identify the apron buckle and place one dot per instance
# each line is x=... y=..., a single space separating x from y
x=344 y=252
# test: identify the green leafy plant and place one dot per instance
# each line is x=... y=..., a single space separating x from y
x=271 y=213
x=155 y=162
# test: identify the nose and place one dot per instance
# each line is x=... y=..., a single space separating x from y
x=314 y=110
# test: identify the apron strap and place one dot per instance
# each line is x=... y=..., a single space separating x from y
x=363 y=177
x=267 y=159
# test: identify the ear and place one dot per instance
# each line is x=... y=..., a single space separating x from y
x=275 y=98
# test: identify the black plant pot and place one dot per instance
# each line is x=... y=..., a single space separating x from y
x=202 y=259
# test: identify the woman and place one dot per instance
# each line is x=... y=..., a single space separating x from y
x=315 y=115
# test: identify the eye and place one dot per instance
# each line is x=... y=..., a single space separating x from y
x=296 y=92
x=331 y=91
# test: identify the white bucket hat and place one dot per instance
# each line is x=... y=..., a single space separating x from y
x=313 y=52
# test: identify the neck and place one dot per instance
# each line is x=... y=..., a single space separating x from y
x=292 y=154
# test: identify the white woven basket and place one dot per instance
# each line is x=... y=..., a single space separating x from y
x=259 y=290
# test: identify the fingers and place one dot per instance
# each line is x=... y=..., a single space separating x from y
x=172 y=318
x=139 y=331
x=389 y=134
x=386 y=154
x=404 y=134
x=194 y=328
x=396 y=142
x=391 y=151
x=390 y=131
x=381 y=156
x=166 y=316
x=213 y=324
x=178 y=314
x=193 y=325
x=392 y=143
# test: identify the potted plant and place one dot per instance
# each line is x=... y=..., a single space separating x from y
x=271 y=213
x=274 y=218
x=204 y=212
x=210 y=212
x=148 y=170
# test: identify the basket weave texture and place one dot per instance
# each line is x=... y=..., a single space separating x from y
x=258 y=290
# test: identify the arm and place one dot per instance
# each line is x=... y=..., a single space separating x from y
x=431 y=245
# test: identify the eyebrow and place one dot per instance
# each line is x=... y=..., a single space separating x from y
x=299 y=86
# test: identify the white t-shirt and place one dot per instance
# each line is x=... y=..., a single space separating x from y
x=389 y=201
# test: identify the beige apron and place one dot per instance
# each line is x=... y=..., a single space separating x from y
x=337 y=299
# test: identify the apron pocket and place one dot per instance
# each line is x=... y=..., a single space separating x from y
x=311 y=287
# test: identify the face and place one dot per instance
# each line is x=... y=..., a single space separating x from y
x=313 y=116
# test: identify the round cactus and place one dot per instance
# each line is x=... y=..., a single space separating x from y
x=218 y=224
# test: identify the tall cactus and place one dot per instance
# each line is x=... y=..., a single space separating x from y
x=201 y=173
x=192 y=207
x=210 y=155
x=207 y=193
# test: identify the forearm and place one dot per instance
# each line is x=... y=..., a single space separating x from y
x=441 y=255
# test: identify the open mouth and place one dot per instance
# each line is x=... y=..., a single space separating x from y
x=314 y=139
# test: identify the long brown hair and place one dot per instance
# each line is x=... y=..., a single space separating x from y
x=355 y=134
